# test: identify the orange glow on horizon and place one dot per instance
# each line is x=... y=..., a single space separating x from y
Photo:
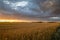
x=14 y=20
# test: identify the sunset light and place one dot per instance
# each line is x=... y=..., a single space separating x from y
x=14 y=21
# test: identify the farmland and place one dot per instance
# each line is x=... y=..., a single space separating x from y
x=27 y=31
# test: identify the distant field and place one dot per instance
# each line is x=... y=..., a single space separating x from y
x=27 y=31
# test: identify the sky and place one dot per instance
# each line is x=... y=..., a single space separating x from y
x=37 y=10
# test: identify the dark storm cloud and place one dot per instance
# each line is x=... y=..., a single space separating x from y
x=30 y=9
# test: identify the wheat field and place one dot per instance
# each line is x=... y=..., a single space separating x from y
x=27 y=31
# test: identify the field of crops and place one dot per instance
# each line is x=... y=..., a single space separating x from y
x=27 y=31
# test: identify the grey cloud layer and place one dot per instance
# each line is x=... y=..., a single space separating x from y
x=30 y=8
